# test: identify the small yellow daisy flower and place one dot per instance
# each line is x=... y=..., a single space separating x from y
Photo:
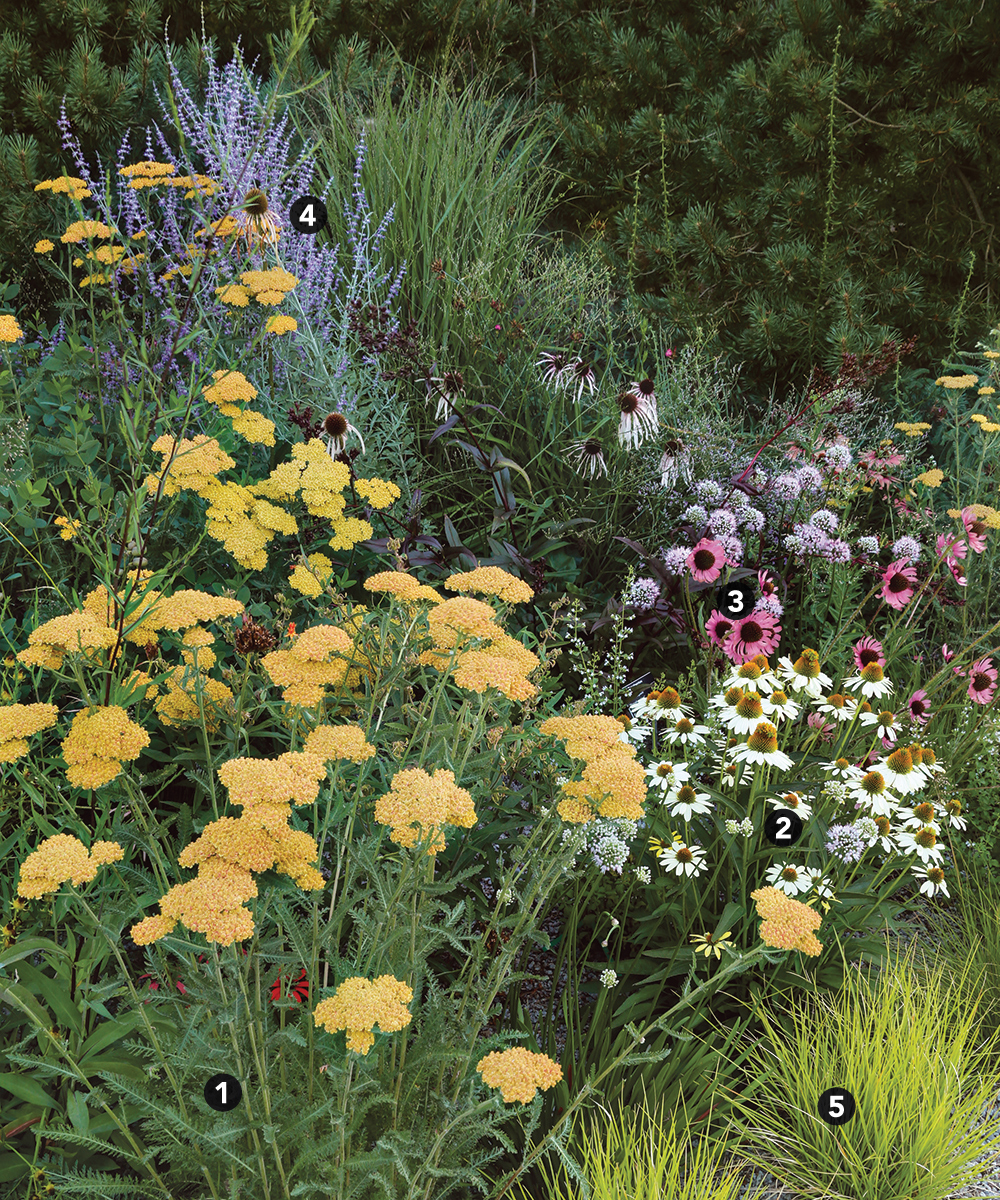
x=711 y=945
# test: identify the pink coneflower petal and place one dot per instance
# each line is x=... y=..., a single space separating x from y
x=920 y=710
x=868 y=650
x=898 y=583
x=982 y=681
x=947 y=654
x=954 y=543
x=706 y=560
x=758 y=633
x=826 y=730
x=718 y=627
x=974 y=530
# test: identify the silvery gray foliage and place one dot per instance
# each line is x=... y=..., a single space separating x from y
x=240 y=141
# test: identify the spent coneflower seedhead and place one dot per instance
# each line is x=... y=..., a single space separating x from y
x=335 y=425
x=255 y=204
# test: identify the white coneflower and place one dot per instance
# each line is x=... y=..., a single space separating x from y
x=886 y=722
x=447 y=387
x=688 y=801
x=675 y=464
x=587 y=456
x=256 y=221
x=668 y=776
x=871 y=681
x=575 y=376
x=337 y=427
x=554 y=362
x=762 y=747
x=639 y=419
x=682 y=859
x=779 y=707
x=840 y=707
x=686 y=731
x=788 y=879
x=792 y=801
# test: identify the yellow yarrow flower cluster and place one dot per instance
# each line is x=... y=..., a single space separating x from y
x=61 y=858
x=240 y=516
x=230 y=849
x=44 y=246
x=21 y=721
x=986 y=391
x=99 y=740
x=10 y=331
x=957 y=381
x=69 y=529
x=519 y=1073
x=491 y=581
x=417 y=805
x=233 y=293
x=912 y=428
x=194 y=465
x=931 y=478
x=503 y=664
x=269 y=287
x=67 y=185
x=379 y=493
x=231 y=387
x=79 y=632
x=281 y=323
x=788 y=924
x=79 y=231
x=403 y=586
x=984 y=423
x=359 y=1004
x=311 y=579
x=612 y=779
x=146 y=174
x=321 y=657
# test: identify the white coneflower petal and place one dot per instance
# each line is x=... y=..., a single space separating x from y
x=588 y=455
x=555 y=363
x=576 y=376
x=638 y=420
x=337 y=428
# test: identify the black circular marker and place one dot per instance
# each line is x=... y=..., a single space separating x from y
x=307 y=214
x=783 y=827
x=836 y=1106
x=735 y=600
x=223 y=1092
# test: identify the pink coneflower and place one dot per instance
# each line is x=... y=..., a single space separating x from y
x=947 y=654
x=766 y=584
x=956 y=570
x=824 y=728
x=639 y=418
x=898 y=583
x=758 y=633
x=974 y=529
x=718 y=627
x=954 y=544
x=982 y=681
x=868 y=650
x=706 y=560
x=920 y=710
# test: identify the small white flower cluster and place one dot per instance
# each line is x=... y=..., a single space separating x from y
x=745 y=826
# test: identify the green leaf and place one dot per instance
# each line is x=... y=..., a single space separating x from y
x=19 y=996
x=27 y=946
x=104 y=1035
x=26 y=1088
x=77 y=1111
x=56 y=995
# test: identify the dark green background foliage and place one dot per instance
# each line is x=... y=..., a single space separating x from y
x=743 y=90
